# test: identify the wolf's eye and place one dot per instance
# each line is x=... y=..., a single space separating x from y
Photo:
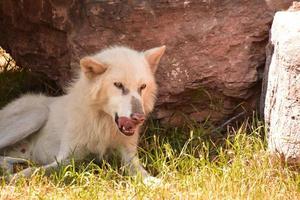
x=143 y=86
x=119 y=85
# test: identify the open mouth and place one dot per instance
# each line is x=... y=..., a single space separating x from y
x=126 y=126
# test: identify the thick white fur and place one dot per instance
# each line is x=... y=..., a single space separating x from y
x=82 y=121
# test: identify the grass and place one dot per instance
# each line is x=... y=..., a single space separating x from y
x=191 y=163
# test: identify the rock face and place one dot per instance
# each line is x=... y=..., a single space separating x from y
x=215 y=49
x=282 y=105
x=279 y=4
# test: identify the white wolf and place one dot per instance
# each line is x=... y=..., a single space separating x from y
x=102 y=110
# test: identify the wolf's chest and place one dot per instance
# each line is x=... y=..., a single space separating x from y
x=100 y=139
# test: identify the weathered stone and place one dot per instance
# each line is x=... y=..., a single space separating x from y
x=282 y=104
x=276 y=5
x=215 y=49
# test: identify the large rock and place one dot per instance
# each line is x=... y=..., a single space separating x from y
x=215 y=49
x=282 y=103
x=276 y=5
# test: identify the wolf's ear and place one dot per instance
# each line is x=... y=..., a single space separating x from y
x=153 y=56
x=91 y=67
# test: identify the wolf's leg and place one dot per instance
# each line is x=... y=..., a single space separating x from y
x=7 y=163
x=22 y=118
x=62 y=157
x=31 y=170
x=132 y=163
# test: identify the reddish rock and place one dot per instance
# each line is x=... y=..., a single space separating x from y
x=215 y=49
x=276 y=5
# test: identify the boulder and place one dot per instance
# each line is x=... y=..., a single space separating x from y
x=277 y=5
x=282 y=103
x=215 y=49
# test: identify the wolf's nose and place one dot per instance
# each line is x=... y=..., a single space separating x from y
x=137 y=117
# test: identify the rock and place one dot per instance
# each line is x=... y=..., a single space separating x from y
x=282 y=104
x=276 y=5
x=215 y=49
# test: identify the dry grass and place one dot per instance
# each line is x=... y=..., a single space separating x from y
x=191 y=164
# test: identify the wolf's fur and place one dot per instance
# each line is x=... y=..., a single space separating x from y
x=48 y=130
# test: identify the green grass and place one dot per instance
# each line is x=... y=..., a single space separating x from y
x=191 y=163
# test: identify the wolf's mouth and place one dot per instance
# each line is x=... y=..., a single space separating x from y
x=126 y=125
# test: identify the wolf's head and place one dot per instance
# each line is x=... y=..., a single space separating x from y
x=122 y=84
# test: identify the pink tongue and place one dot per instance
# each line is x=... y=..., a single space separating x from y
x=126 y=123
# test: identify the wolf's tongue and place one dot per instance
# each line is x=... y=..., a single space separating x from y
x=126 y=125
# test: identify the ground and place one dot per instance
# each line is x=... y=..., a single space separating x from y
x=193 y=163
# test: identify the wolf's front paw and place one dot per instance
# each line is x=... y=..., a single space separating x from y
x=26 y=173
x=151 y=181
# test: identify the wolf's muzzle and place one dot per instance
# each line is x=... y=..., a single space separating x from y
x=128 y=126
